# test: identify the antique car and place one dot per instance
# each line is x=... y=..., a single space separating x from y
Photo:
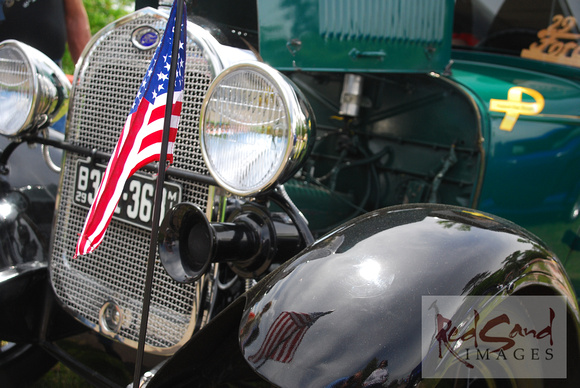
x=337 y=164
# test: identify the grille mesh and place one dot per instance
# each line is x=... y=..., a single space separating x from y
x=104 y=90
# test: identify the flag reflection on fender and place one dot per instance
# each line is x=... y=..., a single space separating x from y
x=284 y=337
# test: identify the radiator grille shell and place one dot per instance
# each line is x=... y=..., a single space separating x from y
x=105 y=86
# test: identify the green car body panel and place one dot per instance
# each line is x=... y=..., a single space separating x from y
x=532 y=172
x=529 y=174
x=318 y=35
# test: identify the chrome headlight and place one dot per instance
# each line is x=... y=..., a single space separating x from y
x=34 y=91
x=255 y=128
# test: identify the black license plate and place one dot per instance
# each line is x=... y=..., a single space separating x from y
x=136 y=204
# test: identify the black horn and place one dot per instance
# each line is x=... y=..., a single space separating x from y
x=189 y=243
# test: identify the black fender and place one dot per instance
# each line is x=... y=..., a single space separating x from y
x=28 y=190
x=361 y=287
x=30 y=310
x=21 y=240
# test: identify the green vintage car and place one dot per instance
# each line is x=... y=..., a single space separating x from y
x=523 y=74
x=338 y=164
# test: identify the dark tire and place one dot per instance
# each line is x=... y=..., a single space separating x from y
x=23 y=364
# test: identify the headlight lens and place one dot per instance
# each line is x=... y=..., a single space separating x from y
x=33 y=89
x=255 y=128
x=16 y=89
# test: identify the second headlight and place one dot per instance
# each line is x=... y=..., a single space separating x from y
x=34 y=91
x=255 y=128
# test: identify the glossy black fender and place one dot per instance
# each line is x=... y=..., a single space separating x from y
x=361 y=287
x=29 y=313
x=28 y=190
x=27 y=195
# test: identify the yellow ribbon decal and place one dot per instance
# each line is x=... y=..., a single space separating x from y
x=514 y=107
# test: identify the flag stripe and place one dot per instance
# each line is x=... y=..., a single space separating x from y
x=284 y=337
x=151 y=139
x=275 y=332
x=286 y=352
x=159 y=112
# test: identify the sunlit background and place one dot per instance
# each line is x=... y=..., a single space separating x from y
x=101 y=13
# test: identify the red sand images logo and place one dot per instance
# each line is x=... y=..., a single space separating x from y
x=494 y=337
x=448 y=335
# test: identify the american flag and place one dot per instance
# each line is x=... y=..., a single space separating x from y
x=284 y=336
x=141 y=138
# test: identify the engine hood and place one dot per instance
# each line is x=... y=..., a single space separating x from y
x=357 y=292
x=321 y=35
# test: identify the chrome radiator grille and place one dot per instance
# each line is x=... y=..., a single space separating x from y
x=104 y=89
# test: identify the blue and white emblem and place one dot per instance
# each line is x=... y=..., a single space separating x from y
x=145 y=38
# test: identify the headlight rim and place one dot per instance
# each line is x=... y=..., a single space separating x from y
x=299 y=119
x=28 y=121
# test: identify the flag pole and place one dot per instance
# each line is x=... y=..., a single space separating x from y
x=158 y=196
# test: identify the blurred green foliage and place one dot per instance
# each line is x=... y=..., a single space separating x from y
x=101 y=13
